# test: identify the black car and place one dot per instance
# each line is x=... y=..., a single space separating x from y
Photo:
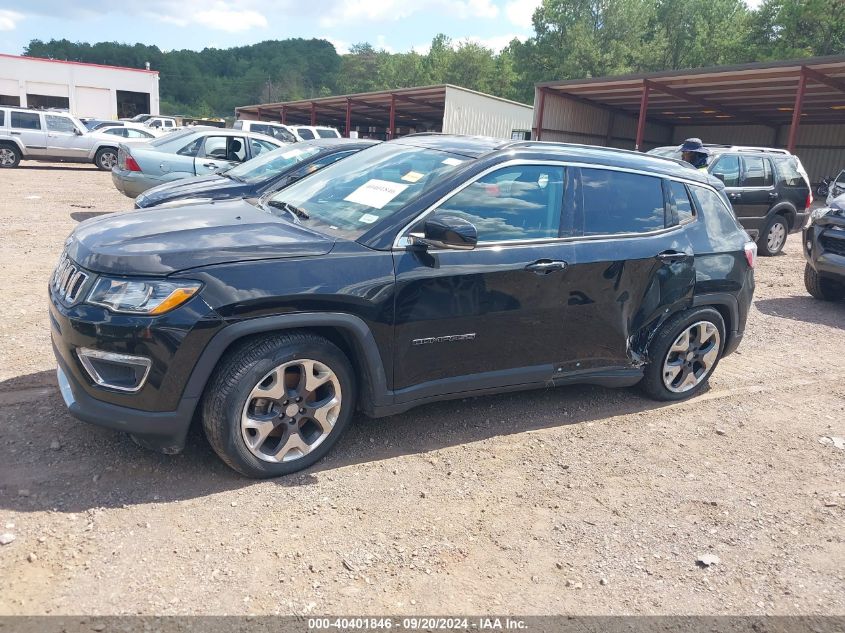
x=768 y=189
x=425 y=268
x=266 y=173
x=824 y=250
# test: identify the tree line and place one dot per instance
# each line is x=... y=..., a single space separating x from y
x=572 y=39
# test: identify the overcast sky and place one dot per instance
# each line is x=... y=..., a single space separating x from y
x=395 y=25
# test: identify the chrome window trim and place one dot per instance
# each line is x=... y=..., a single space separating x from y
x=397 y=242
x=85 y=354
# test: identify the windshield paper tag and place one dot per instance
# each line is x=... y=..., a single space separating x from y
x=376 y=193
x=412 y=176
x=452 y=161
x=368 y=218
x=291 y=154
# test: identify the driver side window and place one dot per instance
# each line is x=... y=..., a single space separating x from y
x=520 y=202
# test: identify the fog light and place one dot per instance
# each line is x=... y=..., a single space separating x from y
x=809 y=246
x=121 y=372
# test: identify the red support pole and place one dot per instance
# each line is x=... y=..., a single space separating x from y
x=313 y=113
x=796 y=112
x=284 y=114
x=258 y=110
x=538 y=131
x=348 y=116
x=392 y=133
x=643 y=115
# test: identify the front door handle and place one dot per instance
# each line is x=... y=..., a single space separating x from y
x=546 y=266
x=671 y=256
x=773 y=195
x=211 y=165
x=735 y=196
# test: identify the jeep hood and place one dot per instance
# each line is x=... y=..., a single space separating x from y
x=163 y=241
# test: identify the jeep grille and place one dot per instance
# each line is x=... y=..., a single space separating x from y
x=68 y=280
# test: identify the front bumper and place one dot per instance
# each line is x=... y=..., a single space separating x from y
x=159 y=413
x=823 y=260
x=161 y=431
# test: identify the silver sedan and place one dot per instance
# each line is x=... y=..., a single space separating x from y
x=190 y=152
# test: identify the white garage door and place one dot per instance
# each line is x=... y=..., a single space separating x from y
x=48 y=90
x=94 y=102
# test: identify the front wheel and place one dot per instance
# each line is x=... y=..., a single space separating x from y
x=10 y=156
x=773 y=237
x=278 y=404
x=684 y=354
x=106 y=158
x=822 y=287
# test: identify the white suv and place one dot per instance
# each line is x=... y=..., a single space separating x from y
x=310 y=132
x=55 y=135
x=279 y=131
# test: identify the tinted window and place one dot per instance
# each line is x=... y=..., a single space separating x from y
x=620 y=202
x=788 y=168
x=680 y=201
x=726 y=169
x=25 y=120
x=305 y=133
x=513 y=203
x=283 y=135
x=328 y=133
x=757 y=172
x=2 y=117
x=720 y=224
x=260 y=128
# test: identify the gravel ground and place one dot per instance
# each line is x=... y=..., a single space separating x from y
x=573 y=500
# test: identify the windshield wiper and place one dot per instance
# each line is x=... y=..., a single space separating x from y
x=286 y=206
x=231 y=177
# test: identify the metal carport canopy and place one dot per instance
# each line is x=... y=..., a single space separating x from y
x=810 y=90
x=385 y=108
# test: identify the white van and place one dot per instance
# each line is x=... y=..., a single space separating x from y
x=278 y=131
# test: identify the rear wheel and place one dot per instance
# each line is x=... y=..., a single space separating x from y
x=822 y=287
x=106 y=158
x=684 y=354
x=10 y=156
x=279 y=404
x=773 y=237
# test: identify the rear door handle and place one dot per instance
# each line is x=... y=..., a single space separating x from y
x=546 y=266
x=16 y=133
x=671 y=256
x=735 y=196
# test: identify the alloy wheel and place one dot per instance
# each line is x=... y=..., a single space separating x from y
x=108 y=160
x=776 y=237
x=7 y=156
x=691 y=357
x=291 y=411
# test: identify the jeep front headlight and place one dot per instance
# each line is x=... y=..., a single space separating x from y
x=141 y=296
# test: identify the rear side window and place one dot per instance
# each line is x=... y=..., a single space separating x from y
x=305 y=133
x=283 y=135
x=757 y=172
x=191 y=149
x=2 y=117
x=512 y=203
x=116 y=131
x=260 y=128
x=788 y=170
x=726 y=169
x=25 y=120
x=324 y=133
x=679 y=199
x=620 y=202
x=722 y=229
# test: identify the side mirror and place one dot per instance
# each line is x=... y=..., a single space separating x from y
x=77 y=131
x=720 y=177
x=447 y=231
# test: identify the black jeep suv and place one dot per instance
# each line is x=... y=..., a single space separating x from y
x=425 y=268
x=824 y=250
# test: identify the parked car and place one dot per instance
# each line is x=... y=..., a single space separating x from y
x=48 y=135
x=425 y=268
x=269 y=172
x=836 y=188
x=769 y=190
x=166 y=123
x=824 y=250
x=98 y=125
x=276 y=130
x=194 y=151
x=310 y=132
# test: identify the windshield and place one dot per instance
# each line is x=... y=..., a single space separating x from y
x=348 y=197
x=271 y=164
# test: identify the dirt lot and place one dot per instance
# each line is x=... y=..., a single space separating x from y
x=573 y=500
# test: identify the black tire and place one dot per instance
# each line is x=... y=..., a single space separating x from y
x=101 y=156
x=11 y=156
x=240 y=371
x=652 y=383
x=763 y=240
x=822 y=191
x=822 y=287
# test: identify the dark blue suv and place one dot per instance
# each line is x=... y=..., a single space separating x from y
x=425 y=268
